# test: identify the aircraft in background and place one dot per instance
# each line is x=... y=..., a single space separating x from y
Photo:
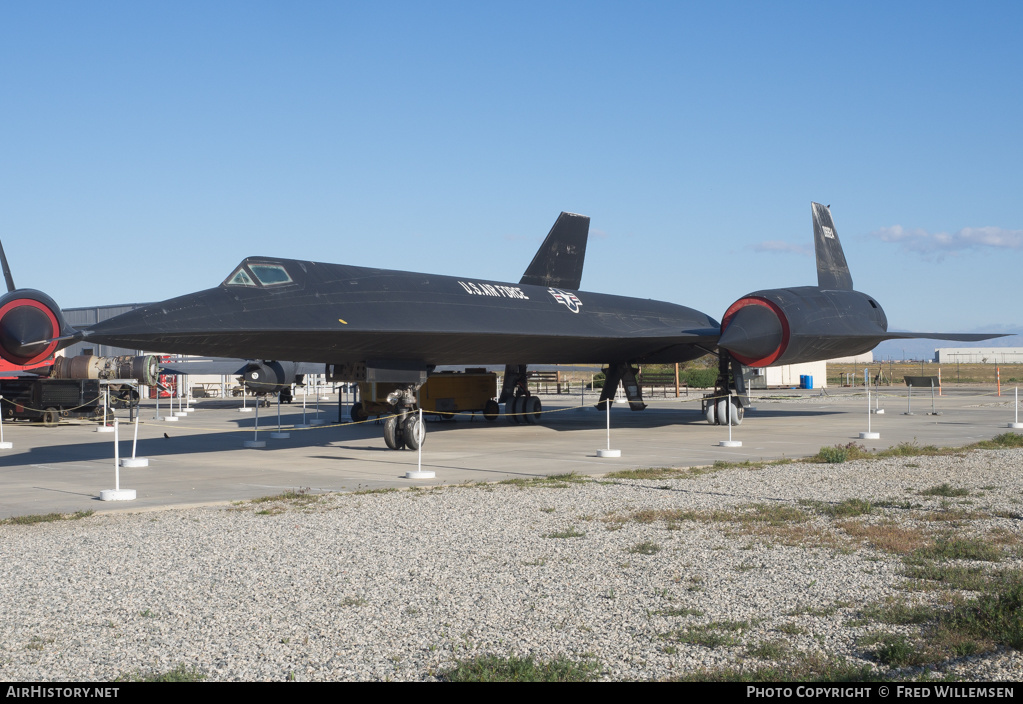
x=378 y=325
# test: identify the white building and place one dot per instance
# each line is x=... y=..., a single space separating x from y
x=979 y=355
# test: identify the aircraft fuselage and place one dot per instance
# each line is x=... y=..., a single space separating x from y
x=335 y=314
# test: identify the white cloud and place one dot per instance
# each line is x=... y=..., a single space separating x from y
x=939 y=244
x=781 y=247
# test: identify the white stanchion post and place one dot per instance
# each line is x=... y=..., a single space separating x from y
x=106 y=404
x=868 y=435
x=255 y=441
x=305 y=395
x=245 y=408
x=117 y=493
x=280 y=434
x=4 y=445
x=609 y=452
x=134 y=461
x=1016 y=424
x=420 y=473
x=728 y=420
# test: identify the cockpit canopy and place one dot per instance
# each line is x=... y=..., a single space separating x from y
x=258 y=274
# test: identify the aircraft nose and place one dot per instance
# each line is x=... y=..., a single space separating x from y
x=754 y=332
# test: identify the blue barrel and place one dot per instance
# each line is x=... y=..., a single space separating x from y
x=809 y=381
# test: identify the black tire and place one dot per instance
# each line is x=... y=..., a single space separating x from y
x=394 y=438
x=532 y=409
x=358 y=414
x=51 y=417
x=414 y=432
x=511 y=411
x=492 y=410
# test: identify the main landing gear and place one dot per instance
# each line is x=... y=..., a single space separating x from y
x=519 y=404
x=726 y=406
x=404 y=428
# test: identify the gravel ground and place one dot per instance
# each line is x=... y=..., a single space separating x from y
x=398 y=585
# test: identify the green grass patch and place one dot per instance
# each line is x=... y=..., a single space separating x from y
x=803 y=668
x=952 y=548
x=943 y=576
x=645 y=548
x=896 y=650
x=44 y=518
x=711 y=635
x=301 y=496
x=554 y=481
x=647 y=473
x=494 y=668
x=897 y=613
x=768 y=650
x=999 y=442
x=996 y=616
x=946 y=490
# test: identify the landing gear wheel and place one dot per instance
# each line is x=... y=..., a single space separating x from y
x=726 y=415
x=737 y=412
x=358 y=414
x=51 y=417
x=394 y=437
x=512 y=408
x=532 y=409
x=414 y=432
x=711 y=413
x=492 y=410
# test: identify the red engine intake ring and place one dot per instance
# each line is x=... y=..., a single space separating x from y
x=54 y=326
x=769 y=359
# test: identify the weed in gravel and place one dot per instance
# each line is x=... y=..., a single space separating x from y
x=896 y=612
x=554 y=481
x=645 y=548
x=791 y=629
x=647 y=473
x=768 y=650
x=886 y=536
x=511 y=668
x=804 y=668
x=953 y=548
x=895 y=650
x=934 y=575
x=711 y=635
x=946 y=490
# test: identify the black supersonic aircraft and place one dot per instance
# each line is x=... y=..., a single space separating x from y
x=368 y=324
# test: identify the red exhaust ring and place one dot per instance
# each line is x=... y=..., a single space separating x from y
x=25 y=321
x=770 y=352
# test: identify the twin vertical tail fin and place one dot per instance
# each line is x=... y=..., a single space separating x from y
x=559 y=261
x=832 y=269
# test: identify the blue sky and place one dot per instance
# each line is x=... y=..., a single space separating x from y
x=148 y=147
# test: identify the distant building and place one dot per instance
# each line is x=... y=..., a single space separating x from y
x=979 y=355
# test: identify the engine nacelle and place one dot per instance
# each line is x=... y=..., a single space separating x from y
x=144 y=369
x=270 y=377
x=803 y=324
x=30 y=323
